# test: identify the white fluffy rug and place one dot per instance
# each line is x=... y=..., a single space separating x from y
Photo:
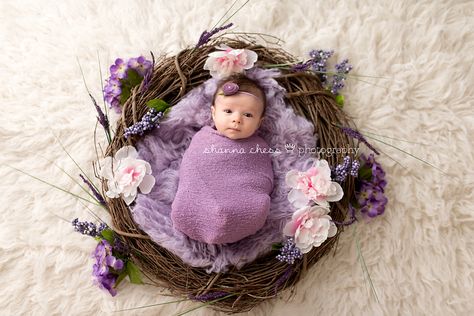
x=420 y=253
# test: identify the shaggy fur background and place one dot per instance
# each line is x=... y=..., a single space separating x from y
x=419 y=253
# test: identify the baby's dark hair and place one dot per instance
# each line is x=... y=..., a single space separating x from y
x=246 y=85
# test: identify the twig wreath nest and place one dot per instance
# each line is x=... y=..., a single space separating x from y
x=236 y=290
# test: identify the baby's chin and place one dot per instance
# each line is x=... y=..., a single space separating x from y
x=235 y=135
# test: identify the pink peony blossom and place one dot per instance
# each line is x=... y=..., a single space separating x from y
x=227 y=61
x=310 y=227
x=125 y=174
x=313 y=185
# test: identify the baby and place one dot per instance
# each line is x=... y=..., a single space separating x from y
x=226 y=176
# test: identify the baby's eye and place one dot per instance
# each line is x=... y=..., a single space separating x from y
x=248 y=114
x=227 y=111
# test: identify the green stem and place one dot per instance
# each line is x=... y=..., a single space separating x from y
x=398 y=139
x=365 y=270
x=230 y=17
x=204 y=305
x=77 y=165
x=107 y=132
x=152 y=305
x=224 y=15
x=73 y=179
x=54 y=186
x=409 y=154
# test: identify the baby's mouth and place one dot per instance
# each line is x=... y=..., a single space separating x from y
x=234 y=129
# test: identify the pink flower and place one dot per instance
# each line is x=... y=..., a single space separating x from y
x=310 y=227
x=227 y=61
x=125 y=174
x=313 y=185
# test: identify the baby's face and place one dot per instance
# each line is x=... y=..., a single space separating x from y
x=237 y=116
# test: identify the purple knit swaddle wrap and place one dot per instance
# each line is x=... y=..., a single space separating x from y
x=224 y=188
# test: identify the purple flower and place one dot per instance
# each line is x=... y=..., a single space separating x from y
x=148 y=75
x=300 y=67
x=119 y=69
x=140 y=64
x=339 y=173
x=88 y=228
x=318 y=62
x=355 y=134
x=112 y=91
x=106 y=268
x=283 y=278
x=206 y=36
x=373 y=200
x=149 y=121
x=96 y=193
x=342 y=69
x=208 y=296
x=289 y=252
x=378 y=174
x=371 y=196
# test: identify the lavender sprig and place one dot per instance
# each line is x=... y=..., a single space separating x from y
x=97 y=195
x=289 y=252
x=319 y=60
x=283 y=278
x=340 y=172
x=88 y=228
x=208 y=296
x=148 y=75
x=342 y=69
x=206 y=36
x=355 y=134
x=149 y=121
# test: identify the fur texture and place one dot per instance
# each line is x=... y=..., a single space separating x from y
x=419 y=253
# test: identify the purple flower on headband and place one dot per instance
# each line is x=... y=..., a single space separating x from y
x=230 y=88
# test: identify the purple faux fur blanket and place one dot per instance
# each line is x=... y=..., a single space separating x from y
x=224 y=188
x=164 y=148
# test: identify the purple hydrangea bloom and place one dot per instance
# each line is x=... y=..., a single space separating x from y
x=373 y=200
x=118 y=79
x=119 y=69
x=378 y=174
x=140 y=64
x=106 y=268
x=370 y=196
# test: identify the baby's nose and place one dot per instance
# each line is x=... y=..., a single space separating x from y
x=236 y=119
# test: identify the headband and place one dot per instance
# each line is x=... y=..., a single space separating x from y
x=231 y=88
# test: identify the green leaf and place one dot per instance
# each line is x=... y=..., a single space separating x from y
x=158 y=104
x=340 y=100
x=134 y=273
x=120 y=278
x=133 y=77
x=277 y=246
x=108 y=235
x=166 y=111
x=365 y=173
x=124 y=95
